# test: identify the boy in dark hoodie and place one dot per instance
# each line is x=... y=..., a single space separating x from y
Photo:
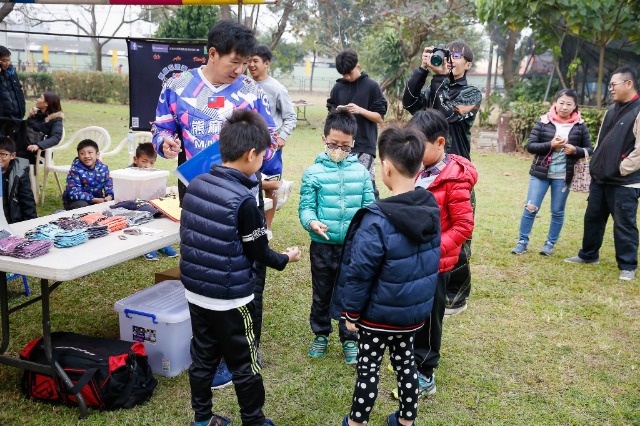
x=362 y=97
x=450 y=178
x=18 y=200
x=388 y=275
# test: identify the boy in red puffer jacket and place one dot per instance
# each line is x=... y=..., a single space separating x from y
x=450 y=178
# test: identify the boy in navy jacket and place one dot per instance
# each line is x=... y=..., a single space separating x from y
x=388 y=275
x=88 y=181
x=222 y=235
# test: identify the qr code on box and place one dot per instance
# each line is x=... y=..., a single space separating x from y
x=135 y=121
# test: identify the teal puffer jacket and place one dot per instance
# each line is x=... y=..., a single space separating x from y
x=332 y=193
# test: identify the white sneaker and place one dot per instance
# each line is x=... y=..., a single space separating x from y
x=283 y=193
x=627 y=275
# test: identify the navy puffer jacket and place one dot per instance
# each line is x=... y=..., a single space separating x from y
x=213 y=263
x=389 y=266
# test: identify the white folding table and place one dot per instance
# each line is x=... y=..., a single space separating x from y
x=64 y=264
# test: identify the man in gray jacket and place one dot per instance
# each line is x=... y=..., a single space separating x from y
x=285 y=118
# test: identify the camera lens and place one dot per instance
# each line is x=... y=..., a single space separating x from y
x=437 y=58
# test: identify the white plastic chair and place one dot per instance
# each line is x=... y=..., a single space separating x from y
x=139 y=137
x=95 y=133
x=35 y=170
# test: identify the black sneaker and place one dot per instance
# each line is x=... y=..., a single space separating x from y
x=578 y=259
x=455 y=309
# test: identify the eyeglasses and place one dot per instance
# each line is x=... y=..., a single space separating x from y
x=345 y=148
x=4 y=155
x=457 y=55
x=612 y=85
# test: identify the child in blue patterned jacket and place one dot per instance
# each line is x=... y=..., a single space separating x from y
x=332 y=191
x=88 y=181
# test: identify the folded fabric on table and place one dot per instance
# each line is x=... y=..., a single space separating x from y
x=69 y=223
x=136 y=205
x=23 y=248
x=91 y=218
x=71 y=238
x=97 y=231
x=115 y=223
x=134 y=217
x=31 y=248
x=43 y=232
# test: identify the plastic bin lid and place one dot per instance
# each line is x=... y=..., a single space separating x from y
x=165 y=300
x=136 y=173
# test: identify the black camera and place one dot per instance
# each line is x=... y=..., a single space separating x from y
x=439 y=54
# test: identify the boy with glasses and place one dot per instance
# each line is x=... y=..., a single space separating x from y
x=332 y=191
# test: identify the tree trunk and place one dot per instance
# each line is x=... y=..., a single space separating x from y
x=313 y=67
x=507 y=62
x=97 y=48
x=282 y=24
x=225 y=12
x=5 y=10
x=487 y=90
x=603 y=46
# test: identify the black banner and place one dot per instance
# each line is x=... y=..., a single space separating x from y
x=151 y=63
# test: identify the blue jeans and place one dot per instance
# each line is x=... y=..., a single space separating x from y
x=537 y=190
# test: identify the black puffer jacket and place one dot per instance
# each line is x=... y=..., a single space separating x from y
x=12 y=104
x=19 y=203
x=540 y=145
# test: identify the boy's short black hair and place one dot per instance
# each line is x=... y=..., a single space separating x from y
x=7 y=143
x=244 y=130
x=4 y=52
x=146 y=148
x=228 y=36
x=264 y=52
x=342 y=121
x=461 y=47
x=404 y=148
x=431 y=123
x=628 y=74
x=86 y=143
x=346 y=61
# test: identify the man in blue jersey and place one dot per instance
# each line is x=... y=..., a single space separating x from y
x=194 y=105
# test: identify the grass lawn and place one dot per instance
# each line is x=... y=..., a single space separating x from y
x=543 y=341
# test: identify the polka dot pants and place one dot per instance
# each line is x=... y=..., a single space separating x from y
x=371 y=347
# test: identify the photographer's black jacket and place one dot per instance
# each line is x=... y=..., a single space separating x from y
x=445 y=97
x=365 y=93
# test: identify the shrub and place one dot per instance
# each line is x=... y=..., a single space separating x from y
x=524 y=116
x=93 y=86
x=36 y=83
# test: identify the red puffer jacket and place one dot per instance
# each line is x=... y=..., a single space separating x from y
x=452 y=189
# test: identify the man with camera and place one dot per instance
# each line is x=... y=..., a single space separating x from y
x=449 y=93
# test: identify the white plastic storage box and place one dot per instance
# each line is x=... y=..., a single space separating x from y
x=158 y=316
x=134 y=182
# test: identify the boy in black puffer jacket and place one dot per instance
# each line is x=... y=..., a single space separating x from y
x=17 y=197
x=222 y=234
x=388 y=276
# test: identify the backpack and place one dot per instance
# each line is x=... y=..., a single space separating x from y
x=108 y=373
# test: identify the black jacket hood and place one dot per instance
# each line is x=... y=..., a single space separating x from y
x=415 y=214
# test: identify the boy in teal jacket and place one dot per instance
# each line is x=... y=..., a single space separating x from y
x=332 y=191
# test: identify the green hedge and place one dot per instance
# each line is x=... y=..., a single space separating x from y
x=90 y=86
x=524 y=115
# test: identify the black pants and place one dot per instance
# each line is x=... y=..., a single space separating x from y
x=258 y=291
x=325 y=259
x=429 y=337
x=371 y=347
x=229 y=334
x=369 y=161
x=459 y=285
x=622 y=204
x=76 y=204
